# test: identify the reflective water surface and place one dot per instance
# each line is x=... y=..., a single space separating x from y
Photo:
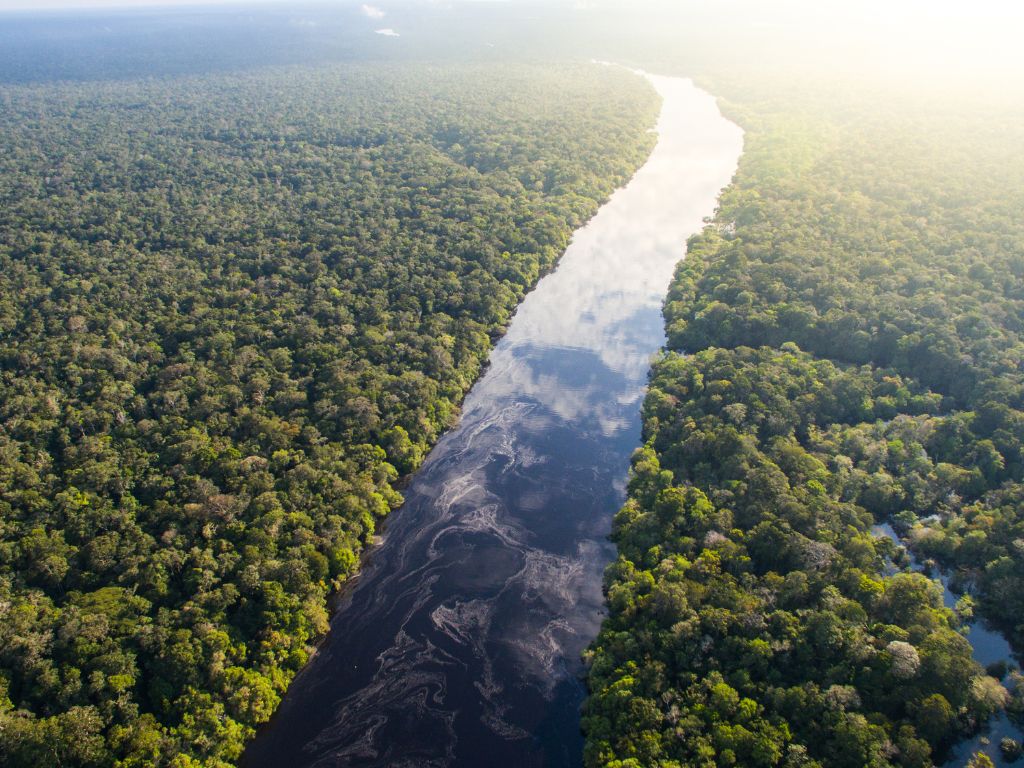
x=989 y=647
x=459 y=644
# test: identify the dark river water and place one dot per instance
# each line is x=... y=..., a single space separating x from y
x=459 y=643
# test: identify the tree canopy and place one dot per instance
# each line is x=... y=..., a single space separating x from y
x=234 y=311
x=844 y=348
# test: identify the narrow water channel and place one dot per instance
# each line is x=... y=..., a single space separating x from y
x=989 y=647
x=459 y=644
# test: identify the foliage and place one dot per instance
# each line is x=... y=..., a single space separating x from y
x=853 y=314
x=234 y=310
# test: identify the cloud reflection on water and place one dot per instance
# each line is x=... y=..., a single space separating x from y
x=460 y=642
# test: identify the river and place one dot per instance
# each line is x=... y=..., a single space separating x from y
x=459 y=643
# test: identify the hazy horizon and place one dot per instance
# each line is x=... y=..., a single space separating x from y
x=271 y=270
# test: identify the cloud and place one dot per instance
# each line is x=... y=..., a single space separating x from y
x=372 y=12
x=388 y=33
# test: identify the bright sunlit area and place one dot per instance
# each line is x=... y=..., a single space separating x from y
x=511 y=383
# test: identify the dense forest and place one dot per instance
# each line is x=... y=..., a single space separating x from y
x=234 y=311
x=845 y=347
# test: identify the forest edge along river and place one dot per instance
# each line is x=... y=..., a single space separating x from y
x=460 y=641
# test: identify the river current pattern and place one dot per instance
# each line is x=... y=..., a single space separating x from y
x=459 y=643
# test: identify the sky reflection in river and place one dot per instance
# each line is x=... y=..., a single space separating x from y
x=460 y=642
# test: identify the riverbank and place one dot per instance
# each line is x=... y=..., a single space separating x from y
x=823 y=371
x=464 y=632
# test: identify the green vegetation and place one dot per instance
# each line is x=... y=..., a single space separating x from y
x=234 y=310
x=854 y=316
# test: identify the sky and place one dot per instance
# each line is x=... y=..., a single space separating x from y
x=973 y=36
x=929 y=8
x=32 y=5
